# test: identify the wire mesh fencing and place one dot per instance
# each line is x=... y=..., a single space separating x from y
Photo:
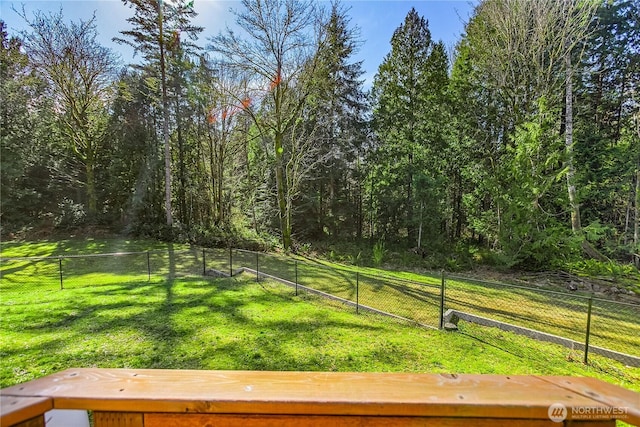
x=85 y=271
x=609 y=328
x=338 y=283
x=418 y=302
x=30 y=275
x=599 y=325
x=615 y=326
x=546 y=311
x=60 y=272
x=592 y=323
x=409 y=300
x=216 y=260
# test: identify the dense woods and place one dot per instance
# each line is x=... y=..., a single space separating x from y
x=521 y=148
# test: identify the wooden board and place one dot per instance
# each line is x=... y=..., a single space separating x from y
x=618 y=398
x=33 y=422
x=118 y=419
x=305 y=393
x=199 y=420
x=15 y=409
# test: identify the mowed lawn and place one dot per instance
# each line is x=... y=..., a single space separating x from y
x=181 y=321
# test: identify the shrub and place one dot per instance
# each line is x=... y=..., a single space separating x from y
x=379 y=252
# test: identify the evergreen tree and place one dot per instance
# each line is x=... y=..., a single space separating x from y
x=409 y=106
x=332 y=199
x=134 y=170
x=25 y=150
x=521 y=119
x=158 y=29
x=606 y=92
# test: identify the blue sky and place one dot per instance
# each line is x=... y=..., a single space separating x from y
x=376 y=19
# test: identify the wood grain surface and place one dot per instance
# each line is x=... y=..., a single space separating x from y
x=200 y=420
x=14 y=409
x=311 y=393
x=611 y=395
x=150 y=397
x=118 y=419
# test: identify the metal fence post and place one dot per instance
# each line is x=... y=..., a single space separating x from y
x=149 y=266
x=257 y=267
x=357 y=293
x=442 y=284
x=586 y=342
x=204 y=263
x=296 y=268
x=60 y=269
x=230 y=261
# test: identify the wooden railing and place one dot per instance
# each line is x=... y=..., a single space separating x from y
x=154 y=398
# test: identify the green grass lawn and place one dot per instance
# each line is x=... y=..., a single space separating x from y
x=193 y=323
x=178 y=320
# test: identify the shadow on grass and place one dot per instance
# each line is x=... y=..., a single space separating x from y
x=180 y=322
x=98 y=265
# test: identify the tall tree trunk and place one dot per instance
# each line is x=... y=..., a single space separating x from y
x=281 y=184
x=221 y=206
x=165 y=124
x=574 y=204
x=636 y=208
x=182 y=194
x=636 y=219
x=254 y=215
x=360 y=217
x=320 y=209
x=410 y=219
x=212 y=181
x=576 y=226
x=420 y=226
x=359 y=201
x=91 y=189
x=458 y=205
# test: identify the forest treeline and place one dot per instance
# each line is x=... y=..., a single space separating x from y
x=523 y=143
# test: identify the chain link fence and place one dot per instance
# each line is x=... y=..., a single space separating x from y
x=546 y=311
x=409 y=300
x=588 y=322
x=418 y=302
x=615 y=326
x=60 y=272
x=580 y=322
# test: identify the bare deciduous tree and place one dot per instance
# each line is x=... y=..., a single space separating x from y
x=279 y=56
x=80 y=72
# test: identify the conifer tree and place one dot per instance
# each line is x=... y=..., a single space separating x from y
x=409 y=99
x=158 y=28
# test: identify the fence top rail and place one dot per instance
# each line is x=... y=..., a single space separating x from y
x=342 y=269
x=509 y=285
x=628 y=304
x=398 y=279
x=56 y=257
x=532 y=289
